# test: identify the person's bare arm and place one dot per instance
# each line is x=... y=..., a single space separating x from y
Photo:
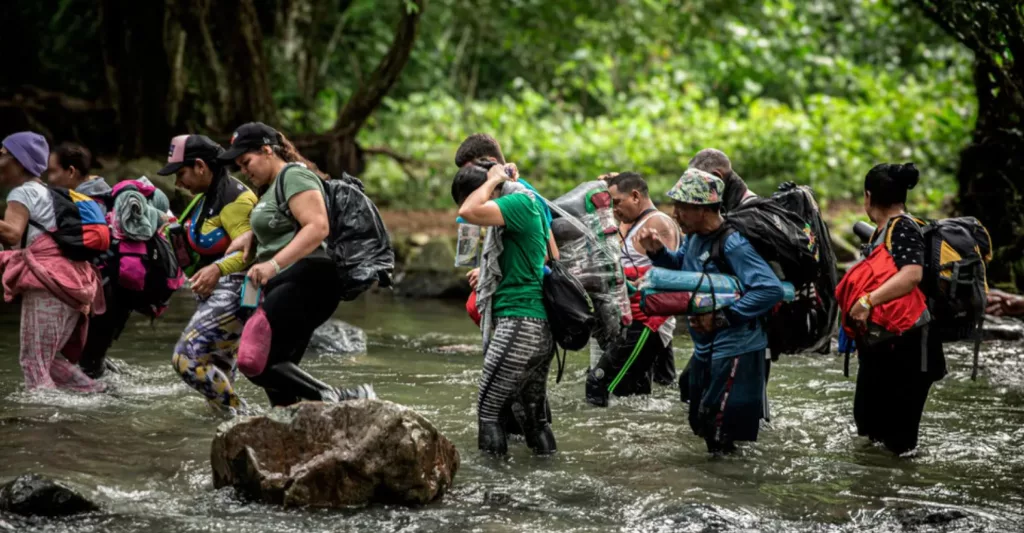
x=667 y=229
x=14 y=224
x=898 y=286
x=552 y=246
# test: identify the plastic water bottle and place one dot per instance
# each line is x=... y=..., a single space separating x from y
x=467 y=250
x=622 y=299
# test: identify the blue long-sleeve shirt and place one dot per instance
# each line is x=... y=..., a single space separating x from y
x=761 y=291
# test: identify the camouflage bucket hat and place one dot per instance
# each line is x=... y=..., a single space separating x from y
x=697 y=187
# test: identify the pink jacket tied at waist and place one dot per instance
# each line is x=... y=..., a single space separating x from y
x=41 y=266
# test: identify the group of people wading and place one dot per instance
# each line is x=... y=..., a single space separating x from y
x=229 y=239
x=270 y=237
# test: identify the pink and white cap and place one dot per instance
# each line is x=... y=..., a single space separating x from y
x=185 y=149
x=176 y=154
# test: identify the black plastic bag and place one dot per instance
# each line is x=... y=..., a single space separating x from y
x=358 y=242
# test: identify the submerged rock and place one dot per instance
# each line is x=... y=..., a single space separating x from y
x=998 y=328
x=914 y=519
x=333 y=455
x=336 y=337
x=35 y=495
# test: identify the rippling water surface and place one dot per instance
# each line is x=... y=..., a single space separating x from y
x=144 y=453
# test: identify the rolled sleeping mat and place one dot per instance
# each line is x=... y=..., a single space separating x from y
x=663 y=279
x=673 y=303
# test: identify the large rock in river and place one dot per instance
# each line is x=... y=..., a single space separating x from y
x=336 y=337
x=331 y=455
x=34 y=495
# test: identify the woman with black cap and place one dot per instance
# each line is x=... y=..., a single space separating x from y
x=204 y=356
x=300 y=284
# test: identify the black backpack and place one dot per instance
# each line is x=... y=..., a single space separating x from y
x=570 y=310
x=358 y=241
x=787 y=230
x=955 y=281
x=810 y=320
x=779 y=237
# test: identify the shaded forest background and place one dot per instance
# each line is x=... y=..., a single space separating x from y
x=811 y=91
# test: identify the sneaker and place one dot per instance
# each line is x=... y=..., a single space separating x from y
x=359 y=392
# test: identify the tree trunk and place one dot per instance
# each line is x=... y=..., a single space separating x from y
x=245 y=64
x=137 y=73
x=991 y=175
x=342 y=153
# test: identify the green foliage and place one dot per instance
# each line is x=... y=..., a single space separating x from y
x=829 y=143
x=816 y=92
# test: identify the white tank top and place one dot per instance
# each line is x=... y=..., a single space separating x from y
x=631 y=257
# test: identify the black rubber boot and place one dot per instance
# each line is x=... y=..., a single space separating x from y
x=491 y=438
x=290 y=380
x=510 y=417
x=539 y=436
x=596 y=392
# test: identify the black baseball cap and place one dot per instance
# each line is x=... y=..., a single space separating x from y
x=185 y=149
x=248 y=137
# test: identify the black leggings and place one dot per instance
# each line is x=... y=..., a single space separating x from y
x=295 y=303
x=892 y=389
x=104 y=330
x=627 y=368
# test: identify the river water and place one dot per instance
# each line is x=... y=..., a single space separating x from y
x=635 y=466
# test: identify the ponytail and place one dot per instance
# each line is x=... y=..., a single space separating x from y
x=286 y=151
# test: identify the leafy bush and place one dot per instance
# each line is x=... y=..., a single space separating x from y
x=827 y=142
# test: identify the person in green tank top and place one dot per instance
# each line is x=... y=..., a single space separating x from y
x=518 y=345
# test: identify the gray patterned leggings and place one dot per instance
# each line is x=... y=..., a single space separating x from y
x=516 y=366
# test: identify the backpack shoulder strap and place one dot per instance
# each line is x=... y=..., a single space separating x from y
x=717 y=253
x=885 y=236
x=279 y=196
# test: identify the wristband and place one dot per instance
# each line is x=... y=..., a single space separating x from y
x=277 y=267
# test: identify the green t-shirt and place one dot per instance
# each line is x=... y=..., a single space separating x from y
x=274 y=230
x=521 y=291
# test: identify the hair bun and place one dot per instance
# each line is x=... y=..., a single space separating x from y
x=907 y=174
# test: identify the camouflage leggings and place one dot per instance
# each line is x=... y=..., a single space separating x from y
x=205 y=356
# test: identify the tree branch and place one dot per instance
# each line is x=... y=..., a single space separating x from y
x=384 y=150
x=332 y=43
x=404 y=161
x=32 y=97
x=370 y=94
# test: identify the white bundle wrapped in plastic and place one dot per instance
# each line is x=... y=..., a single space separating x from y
x=589 y=245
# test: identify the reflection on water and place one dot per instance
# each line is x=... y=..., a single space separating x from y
x=144 y=452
